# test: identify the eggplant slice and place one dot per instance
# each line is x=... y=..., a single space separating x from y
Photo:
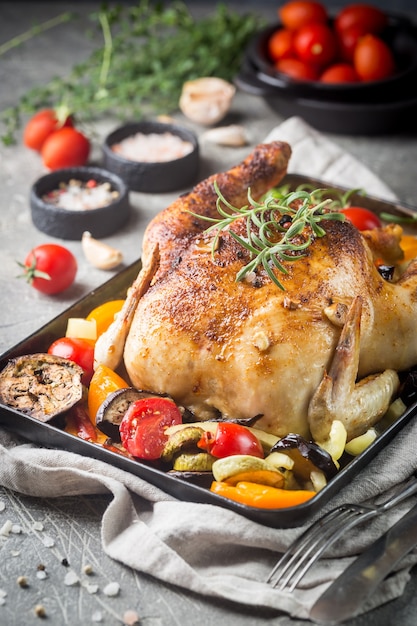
x=114 y=407
x=41 y=385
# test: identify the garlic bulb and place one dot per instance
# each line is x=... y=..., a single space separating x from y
x=233 y=135
x=100 y=254
x=206 y=100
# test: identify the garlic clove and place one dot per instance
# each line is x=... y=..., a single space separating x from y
x=206 y=100
x=233 y=135
x=100 y=254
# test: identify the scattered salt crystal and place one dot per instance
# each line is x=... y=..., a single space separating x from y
x=48 y=542
x=41 y=574
x=37 y=526
x=16 y=529
x=15 y=552
x=3 y=593
x=112 y=589
x=71 y=579
x=6 y=528
x=2 y=505
x=91 y=588
x=130 y=618
x=97 y=616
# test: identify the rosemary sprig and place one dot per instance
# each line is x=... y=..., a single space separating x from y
x=273 y=227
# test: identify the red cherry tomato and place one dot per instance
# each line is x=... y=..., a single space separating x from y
x=339 y=73
x=231 y=439
x=315 y=44
x=347 y=40
x=41 y=125
x=297 y=69
x=50 y=268
x=362 y=218
x=298 y=13
x=80 y=351
x=372 y=59
x=67 y=147
x=142 y=429
x=369 y=18
x=280 y=44
x=78 y=422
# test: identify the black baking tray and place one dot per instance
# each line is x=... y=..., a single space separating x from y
x=49 y=435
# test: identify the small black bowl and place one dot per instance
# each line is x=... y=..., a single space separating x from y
x=70 y=223
x=152 y=177
x=332 y=116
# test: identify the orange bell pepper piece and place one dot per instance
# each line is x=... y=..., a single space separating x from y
x=103 y=383
x=104 y=314
x=408 y=245
x=262 y=496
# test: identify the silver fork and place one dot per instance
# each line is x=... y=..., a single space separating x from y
x=310 y=545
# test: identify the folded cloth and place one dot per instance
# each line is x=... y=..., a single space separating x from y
x=208 y=549
x=316 y=156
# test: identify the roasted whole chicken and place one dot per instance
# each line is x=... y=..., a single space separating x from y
x=327 y=346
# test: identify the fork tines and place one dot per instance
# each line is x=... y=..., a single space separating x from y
x=311 y=544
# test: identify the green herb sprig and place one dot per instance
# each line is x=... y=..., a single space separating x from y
x=270 y=239
x=148 y=51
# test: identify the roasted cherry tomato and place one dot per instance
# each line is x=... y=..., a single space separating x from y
x=316 y=44
x=50 y=268
x=43 y=124
x=298 y=13
x=281 y=44
x=339 y=73
x=81 y=351
x=103 y=383
x=142 y=429
x=296 y=69
x=78 y=423
x=66 y=147
x=372 y=58
x=104 y=314
x=369 y=18
x=362 y=218
x=231 y=438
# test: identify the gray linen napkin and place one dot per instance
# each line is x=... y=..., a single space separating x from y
x=210 y=550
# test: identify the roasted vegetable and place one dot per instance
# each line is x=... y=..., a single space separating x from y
x=185 y=439
x=246 y=468
x=41 y=385
x=111 y=412
x=262 y=496
x=193 y=462
x=307 y=456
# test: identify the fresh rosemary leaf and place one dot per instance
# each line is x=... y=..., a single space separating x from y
x=267 y=240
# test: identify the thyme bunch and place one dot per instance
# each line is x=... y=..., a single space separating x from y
x=148 y=51
x=273 y=228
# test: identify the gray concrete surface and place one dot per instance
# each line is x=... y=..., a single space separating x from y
x=23 y=311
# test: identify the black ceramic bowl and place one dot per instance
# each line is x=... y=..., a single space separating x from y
x=152 y=177
x=400 y=35
x=367 y=108
x=71 y=223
